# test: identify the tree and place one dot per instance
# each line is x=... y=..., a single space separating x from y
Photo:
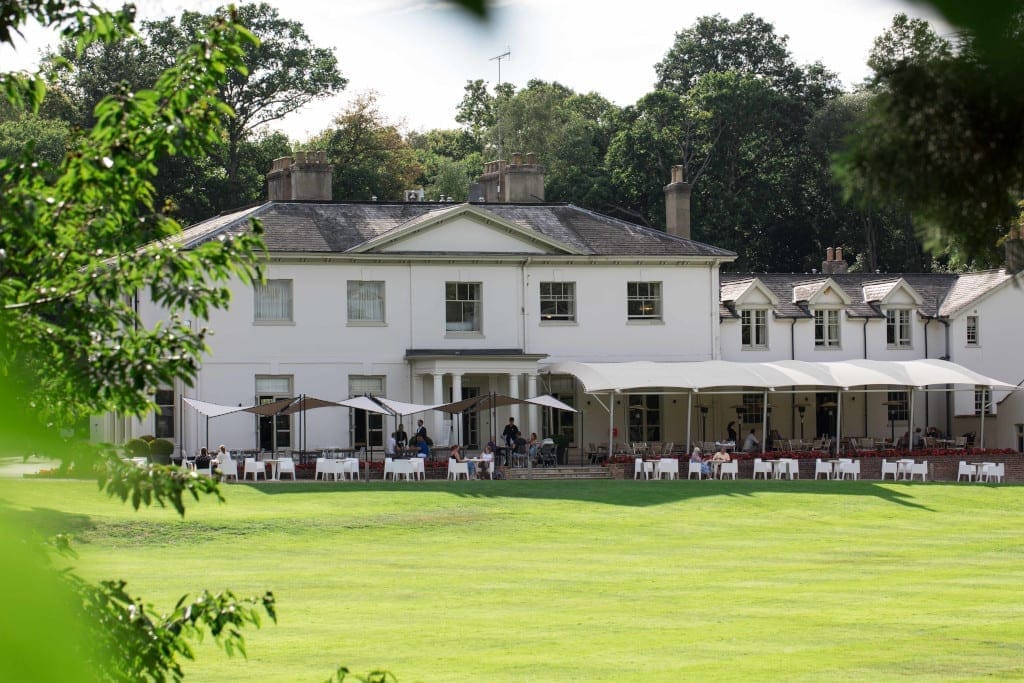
x=76 y=239
x=370 y=155
x=285 y=71
x=944 y=134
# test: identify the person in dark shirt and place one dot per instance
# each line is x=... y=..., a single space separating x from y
x=510 y=434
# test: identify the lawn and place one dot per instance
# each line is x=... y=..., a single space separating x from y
x=584 y=580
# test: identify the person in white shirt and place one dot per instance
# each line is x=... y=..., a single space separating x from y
x=751 y=443
x=488 y=460
x=391 y=445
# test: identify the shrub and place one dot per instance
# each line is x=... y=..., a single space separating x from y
x=137 y=448
x=161 y=450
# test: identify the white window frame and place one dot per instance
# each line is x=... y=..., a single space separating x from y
x=466 y=294
x=264 y=308
x=973 y=332
x=827 y=320
x=644 y=293
x=360 y=385
x=753 y=320
x=165 y=409
x=899 y=328
x=361 y=293
x=561 y=296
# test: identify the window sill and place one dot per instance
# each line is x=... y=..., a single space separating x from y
x=463 y=335
x=365 y=323
x=894 y=347
x=273 y=323
x=559 y=323
x=754 y=348
x=645 y=322
x=822 y=347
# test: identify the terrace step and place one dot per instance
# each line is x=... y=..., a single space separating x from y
x=593 y=472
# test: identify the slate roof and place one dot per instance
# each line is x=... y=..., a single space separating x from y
x=937 y=290
x=337 y=227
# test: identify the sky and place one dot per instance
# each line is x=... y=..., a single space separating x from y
x=418 y=54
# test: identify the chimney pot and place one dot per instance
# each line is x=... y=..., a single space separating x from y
x=531 y=158
x=677 y=205
x=839 y=253
x=677 y=174
x=300 y=157
x=517 y=158
x=830 y=254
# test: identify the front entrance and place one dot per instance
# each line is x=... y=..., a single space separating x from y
x=825 y=403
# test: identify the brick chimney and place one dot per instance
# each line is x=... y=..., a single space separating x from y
x=677 y=205
x=834 y=262
x=306 y=176
x=520 y=182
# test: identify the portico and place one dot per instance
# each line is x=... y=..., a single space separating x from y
x=445 y=375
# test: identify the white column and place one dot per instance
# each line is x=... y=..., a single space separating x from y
x=531 y=390
x=456 y=436
x=435 y=433
x=513 y=391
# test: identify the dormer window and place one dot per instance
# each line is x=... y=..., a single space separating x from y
x=898 y=328
x=826 y=329
x=754 y=328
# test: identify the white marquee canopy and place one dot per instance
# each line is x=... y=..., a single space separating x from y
x=699 y=375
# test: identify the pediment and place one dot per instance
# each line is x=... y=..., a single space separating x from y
x=756 y=295
x=824 y=293
x=463 y=229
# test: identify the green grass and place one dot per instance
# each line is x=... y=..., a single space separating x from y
x=588 y=581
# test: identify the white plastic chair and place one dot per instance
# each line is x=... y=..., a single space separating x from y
x=401 y=468
x=694 y=468
x=848 y=468
x=456 y=468
x=821 y=467
x=325 y=467
x=919 y=468
x=644 y=468
x=419 y=468
x=228 y=467
x=762 y=467
x=965 y=470
x=727 y=468
x=667 y=466
x=789 y=467
x=890 y=468
x=347 y=469
x=389 y=468
x=996 y=471
x=255 y=468
x=286 y=466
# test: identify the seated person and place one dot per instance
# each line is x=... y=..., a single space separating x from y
x=902 y=442
x=698 y=456
x=391 y=445
x=421 y=443
x=532 y=445
x=918 y=438
x=722 y=455
x=488 y=460
x=203 y=459
x=751 y=443
x=456 y=454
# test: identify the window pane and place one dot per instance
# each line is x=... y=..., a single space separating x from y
x=274 y=300
x=365 y=301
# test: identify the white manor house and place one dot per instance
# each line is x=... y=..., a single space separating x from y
x=429 y=302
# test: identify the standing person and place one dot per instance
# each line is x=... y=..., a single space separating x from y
x=391 y=445
x=421 y=431
x=510 y=434
x=401 y=438
x=731 y=431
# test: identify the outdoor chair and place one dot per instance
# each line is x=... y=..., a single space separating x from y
x=892 y=468
x=255 y=468
x=401 y=468
x=793 y=468
x=666 y=449
x=960 y=443
x=325 y=467
x=419 y=468
x=286 y=466
x=985 y=471
x=389 y=468
x=348 y=468
x=729 y=468
x=822 y=467
x=520 y=454
x=228 y=467
x=762 y=467
x=965 y=470
x=456 y=468
x=667 y=466
x=694 y=468
x=919 y=468
x=848 y=468
x=546 y=455
x=996 y=472
x=642 y=468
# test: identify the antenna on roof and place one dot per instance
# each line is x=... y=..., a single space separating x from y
x=507 y=54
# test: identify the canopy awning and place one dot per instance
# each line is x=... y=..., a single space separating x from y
x=401 y=408
x=698 y=375
x=488 y=401
x=212 y=409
